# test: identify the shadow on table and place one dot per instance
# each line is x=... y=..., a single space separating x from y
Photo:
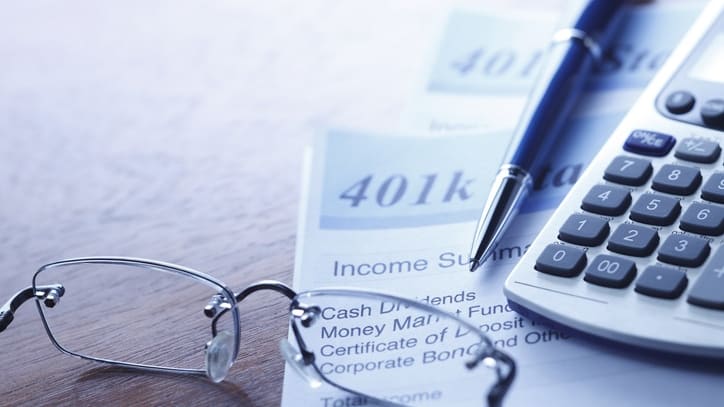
x=143 y=388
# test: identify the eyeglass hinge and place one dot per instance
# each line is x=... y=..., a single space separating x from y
x=307 y=314
x=50 y=294
x=216 y=304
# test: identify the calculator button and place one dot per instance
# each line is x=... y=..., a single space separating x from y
x=649 y=143
x=584 y=230
x=684 y=250
x=680 y=102
x=697 y=150
x=610 y=271
x=656 y=209
x=662 y=282
x=708 y=291
x=677 y=179
x=704 y=219
x=629 y=171
x=560 y=260
x=712 y=112
x=607 y=200
x=713 y=189
x=634 y=240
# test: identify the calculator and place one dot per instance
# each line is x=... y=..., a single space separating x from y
x=635 y=252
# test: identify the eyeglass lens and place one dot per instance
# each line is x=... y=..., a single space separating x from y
x=395 y=350
x=156 y=319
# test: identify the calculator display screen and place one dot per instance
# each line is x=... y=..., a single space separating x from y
x=710 y=66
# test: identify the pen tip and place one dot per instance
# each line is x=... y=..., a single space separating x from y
x=474 y=264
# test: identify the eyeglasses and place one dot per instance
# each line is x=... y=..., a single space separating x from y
x=381 y=349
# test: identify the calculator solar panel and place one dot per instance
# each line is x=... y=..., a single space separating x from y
x=635 y=252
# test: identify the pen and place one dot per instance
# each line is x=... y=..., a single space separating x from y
x=568 y=63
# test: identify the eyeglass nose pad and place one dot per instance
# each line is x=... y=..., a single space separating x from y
x=296 y=361
x=219 y=356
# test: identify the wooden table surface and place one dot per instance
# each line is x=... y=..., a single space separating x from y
x=175 y=130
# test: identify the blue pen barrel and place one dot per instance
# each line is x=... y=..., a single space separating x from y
x=595 y=19
x=554 y=98
x=567 y=66
x=560 y=82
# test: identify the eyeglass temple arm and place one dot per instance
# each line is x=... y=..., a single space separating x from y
x=49 y=293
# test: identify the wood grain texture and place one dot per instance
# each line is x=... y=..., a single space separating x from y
x=175 y=130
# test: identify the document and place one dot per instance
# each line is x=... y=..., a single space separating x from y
x=397 y=214
x=485 y=63
x=401 y=223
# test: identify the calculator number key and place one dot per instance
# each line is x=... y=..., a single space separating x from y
x=607 y=200
x=584 y=230
x=684 y=250
x=656 y=209
x=629 y=171
x=560 y=260
x=677 y=179
x=610 y=271
x=634 y=240
x=661 y=282
x=713 y=189
x=705 y=219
